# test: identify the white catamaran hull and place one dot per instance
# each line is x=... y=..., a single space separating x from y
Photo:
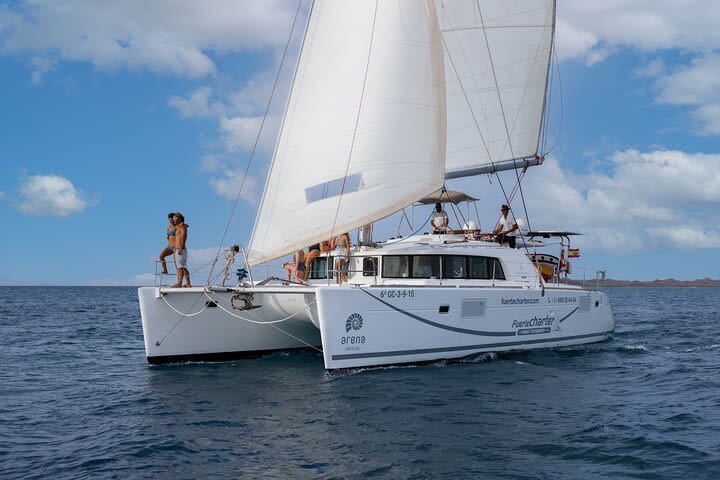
x=366 y=326
x=195 y=324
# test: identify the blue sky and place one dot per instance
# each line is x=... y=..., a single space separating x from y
x=111 y=119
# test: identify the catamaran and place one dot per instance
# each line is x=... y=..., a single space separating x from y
x=391 y=99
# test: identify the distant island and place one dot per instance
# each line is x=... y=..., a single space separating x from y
x=668 y=282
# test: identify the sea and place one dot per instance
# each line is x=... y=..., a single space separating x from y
x=78 y=400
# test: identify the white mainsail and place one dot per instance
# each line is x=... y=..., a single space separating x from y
x=364 y=130
x=497 y=57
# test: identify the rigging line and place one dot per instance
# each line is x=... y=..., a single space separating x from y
x=472 y=113
x=418 y=230
x=559 y=78
x=273 y=322
x=452 y=207
x=462 y=87
x=259 y=321
x=527 y=82
x=502 y=110
x=477 y=215
x=472 y=75
x=357 y=119
x=551 y=88
x=520 y=178
x=257 y=138
x=182 y=316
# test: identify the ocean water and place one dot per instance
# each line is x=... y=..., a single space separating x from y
x=78 y=400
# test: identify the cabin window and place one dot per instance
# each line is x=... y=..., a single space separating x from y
x=370 y=265
x=426 y=266
x=319 y=268
x=395 y=266
x=454 y=266
x=484 y=268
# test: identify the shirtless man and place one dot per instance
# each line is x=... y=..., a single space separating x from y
x=181 y=255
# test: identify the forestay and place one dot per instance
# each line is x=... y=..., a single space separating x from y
x=364 y=130
x=497 y=56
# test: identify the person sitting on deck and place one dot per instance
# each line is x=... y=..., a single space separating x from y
x=439 y=219
x=313 y=252
x=506 y=225
x=297 y=267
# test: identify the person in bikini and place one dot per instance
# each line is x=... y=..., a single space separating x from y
x=342 y=245
x=313 y=252
x=297 y=267
x=181 y=253
x=171 y=243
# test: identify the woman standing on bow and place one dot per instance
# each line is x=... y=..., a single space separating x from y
x=170 y=249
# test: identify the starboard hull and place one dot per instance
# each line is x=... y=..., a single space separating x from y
x=367 y=326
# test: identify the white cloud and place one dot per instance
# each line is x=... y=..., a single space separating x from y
x=161 y=36
x=572 y=42
x=197 y=104
x=592 y=30
x=647 y=25
x=240 y=133
x=40 y=66
x=50 y=195
x=227 y=186
x=651 y=69
x=659 y=199
x=696 y=85
x=211 y=163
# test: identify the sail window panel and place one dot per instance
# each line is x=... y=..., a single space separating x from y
x=426 y=266
x=334 y=188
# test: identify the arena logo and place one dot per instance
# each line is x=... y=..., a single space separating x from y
x=354 y=322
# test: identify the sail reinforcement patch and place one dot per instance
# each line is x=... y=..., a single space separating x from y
x=334 y=188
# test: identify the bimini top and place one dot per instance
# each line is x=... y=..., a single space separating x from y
x=442 y=196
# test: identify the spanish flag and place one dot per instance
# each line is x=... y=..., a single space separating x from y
x=573 y=253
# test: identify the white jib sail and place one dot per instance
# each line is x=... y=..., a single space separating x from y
x=364 y=131
x=497 y=56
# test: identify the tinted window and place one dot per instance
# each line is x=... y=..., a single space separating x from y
x=395 y=266
x=319 y=266
x=426 y=266
x=478 y=268
x=484 y=268
x=370 y=266
x=454 y=267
